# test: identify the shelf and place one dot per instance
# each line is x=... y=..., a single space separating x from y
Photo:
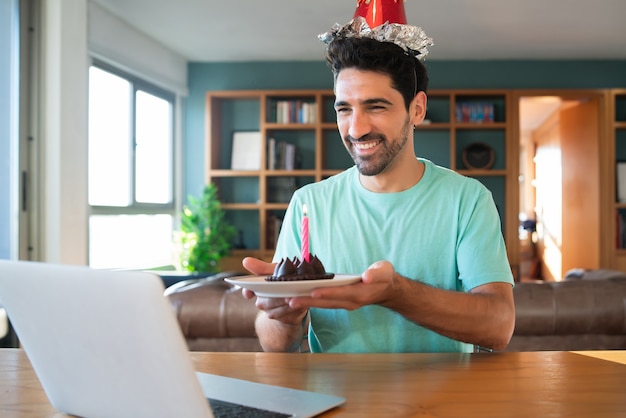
x=234 y=173
x=618 y=220
x=240 y=206
x=483 y=173
x=290 y=126
x=253 y=200
x=477 y=125
x=296 y=172
x=329 y=173
x=433 y=126
x=276 y=206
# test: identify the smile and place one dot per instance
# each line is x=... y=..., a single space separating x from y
x=365 y=145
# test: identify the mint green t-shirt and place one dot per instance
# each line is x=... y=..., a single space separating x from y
x=444 y=231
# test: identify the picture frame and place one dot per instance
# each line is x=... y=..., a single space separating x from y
x=246 y=153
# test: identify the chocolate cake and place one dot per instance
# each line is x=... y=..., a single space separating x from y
x=291 y=270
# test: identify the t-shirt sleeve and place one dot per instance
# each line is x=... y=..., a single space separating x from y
x=481 y=252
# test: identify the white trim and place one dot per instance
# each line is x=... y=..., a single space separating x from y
x=9 y=130
x=14 y=132
x=64 y=131
x=178 y=160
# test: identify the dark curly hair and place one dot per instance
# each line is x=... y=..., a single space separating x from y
x=382 y=57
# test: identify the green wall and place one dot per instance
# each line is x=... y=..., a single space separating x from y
x=203 y=77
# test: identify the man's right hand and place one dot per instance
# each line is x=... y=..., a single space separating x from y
x=279 y=326
x=274 y=308
x=258 y=268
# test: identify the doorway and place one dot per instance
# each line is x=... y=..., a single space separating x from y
x=559 y=182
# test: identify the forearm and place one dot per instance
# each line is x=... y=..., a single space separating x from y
x=484 y=317
x=279 y=336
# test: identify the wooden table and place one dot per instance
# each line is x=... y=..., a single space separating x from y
x=537 y=384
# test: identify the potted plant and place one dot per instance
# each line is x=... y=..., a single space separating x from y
x=205 y=236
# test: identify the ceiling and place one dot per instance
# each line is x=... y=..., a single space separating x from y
x=277 y=30
x=286 y=30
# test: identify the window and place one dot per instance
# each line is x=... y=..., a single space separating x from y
x=131 y=171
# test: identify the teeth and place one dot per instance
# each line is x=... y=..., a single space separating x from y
x=366 y=145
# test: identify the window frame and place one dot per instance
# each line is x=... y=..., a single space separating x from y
x=135 y=207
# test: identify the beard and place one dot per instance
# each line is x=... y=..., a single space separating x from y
x=374 y=164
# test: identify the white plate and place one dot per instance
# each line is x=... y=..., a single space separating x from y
x=268 y=289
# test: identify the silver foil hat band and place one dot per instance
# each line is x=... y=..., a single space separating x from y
x=411 y=39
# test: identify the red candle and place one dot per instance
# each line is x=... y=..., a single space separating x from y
x=305 y=255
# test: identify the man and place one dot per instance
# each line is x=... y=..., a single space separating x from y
x=426 y=241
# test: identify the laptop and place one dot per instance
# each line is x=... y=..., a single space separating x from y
x=107 y=344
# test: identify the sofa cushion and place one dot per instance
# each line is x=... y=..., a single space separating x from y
x=570 y=315
x=570 y=307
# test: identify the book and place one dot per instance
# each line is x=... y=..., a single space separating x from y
x=290 y=157
x=621 y=181
x=273 y=229
x=271 y=154
x=281 y=155
x=475 y=112
x=620 y=224
x=293 y=111
x=280 y=189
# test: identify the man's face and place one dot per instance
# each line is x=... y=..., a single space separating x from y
x=372 y=119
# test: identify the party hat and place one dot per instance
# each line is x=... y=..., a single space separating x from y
x=377 y=12
x=385 y=21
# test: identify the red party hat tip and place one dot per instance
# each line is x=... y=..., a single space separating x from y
x=377 y=12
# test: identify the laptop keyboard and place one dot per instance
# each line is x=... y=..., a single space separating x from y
x=222 y=409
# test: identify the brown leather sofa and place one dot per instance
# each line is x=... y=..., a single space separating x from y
x=213 y=315
x=580 y=313
x=585 y=313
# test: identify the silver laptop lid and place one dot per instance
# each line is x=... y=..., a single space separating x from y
x=103 y=343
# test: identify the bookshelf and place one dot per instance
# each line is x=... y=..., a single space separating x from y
x=446 y=134
x=256 y=200
x=617 y=135
x=297 y=147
